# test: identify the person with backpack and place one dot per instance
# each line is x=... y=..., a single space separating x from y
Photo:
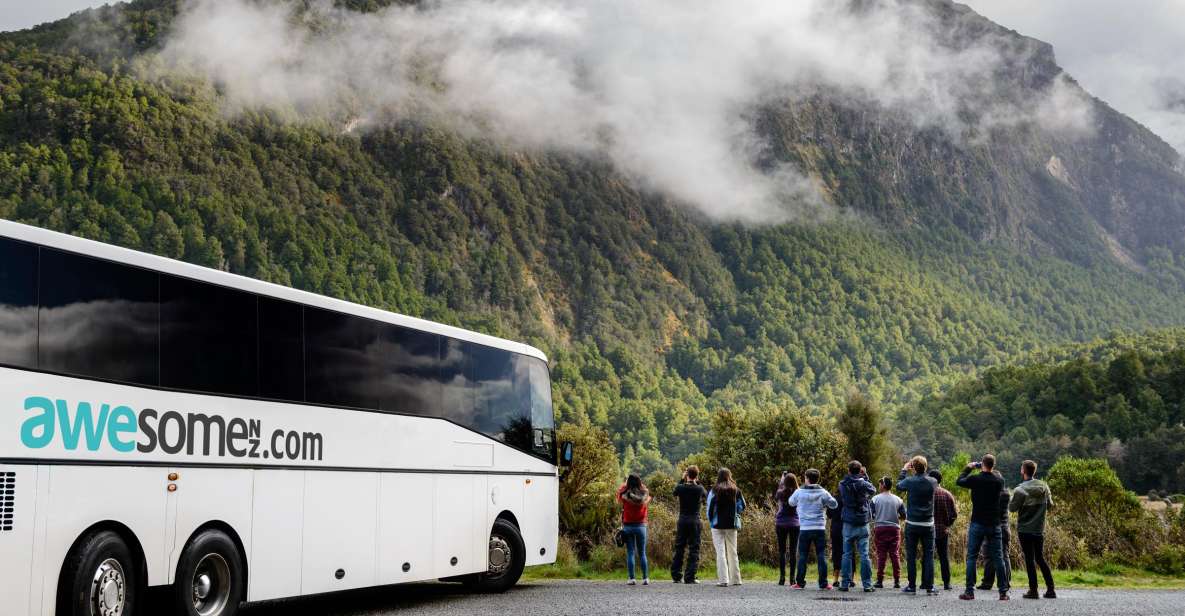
x=887 y=512
x=857 y=513
x=786 y=526
x=725 y=504
x=1030 y=501
x=688 y=528
x=946 y=511
x=811 y=502
x=634 y=499
x=985 y=486
x=919 y=522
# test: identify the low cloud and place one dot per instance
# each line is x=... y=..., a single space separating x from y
x=664 y=89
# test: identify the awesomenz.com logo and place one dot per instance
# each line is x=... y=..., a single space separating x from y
x=124 y=430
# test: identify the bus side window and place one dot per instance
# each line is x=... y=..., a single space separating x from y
x=98 y=319
x=18 y=303
x=209 y=338
x=281 y=350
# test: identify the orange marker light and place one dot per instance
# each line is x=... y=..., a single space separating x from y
x=528 y=482
x=174 y=476
x=172 y=487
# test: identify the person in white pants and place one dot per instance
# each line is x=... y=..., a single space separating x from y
x=725 y=504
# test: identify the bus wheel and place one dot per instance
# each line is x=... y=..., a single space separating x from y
x=99 y=578
x=210 y=580
x=507 y=557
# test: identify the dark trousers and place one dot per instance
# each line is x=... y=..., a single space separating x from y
x=942 y=551
x=1034 y=548
x=924 y=535
x=787 y=544
x=687 y=534
x=806 y=539
x=982 y=536
x=989 y=568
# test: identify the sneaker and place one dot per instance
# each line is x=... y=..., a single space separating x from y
x=1004 y=597
x=646 y=581
x=1032 y=594
x=967 y=596
x=676 y=581
x=1050 y=594
x=782 y=582
x=738 y=584
x=879 y=585
x=827 y=587
x=632 y=582
x=844 y=588
x=869 y=589
x=982 y=587
x=691 y=581
x=910 y=590
x=947 y=587
x=722 y=584
x=798 y=587
x=897 y=585
x=930 y=592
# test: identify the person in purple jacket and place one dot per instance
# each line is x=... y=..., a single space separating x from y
x=786 y=525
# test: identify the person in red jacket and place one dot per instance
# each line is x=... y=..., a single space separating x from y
x=634 y=499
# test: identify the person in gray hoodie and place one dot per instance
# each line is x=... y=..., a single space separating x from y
x=1030 y=501
x=919 y=522
x=811 y=501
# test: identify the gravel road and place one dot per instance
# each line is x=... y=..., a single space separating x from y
x=666 y=599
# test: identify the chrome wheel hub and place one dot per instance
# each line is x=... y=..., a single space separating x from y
x=210 y=585
x=108 y=589
x=500 y=556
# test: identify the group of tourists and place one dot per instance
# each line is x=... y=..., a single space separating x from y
x=862 y=517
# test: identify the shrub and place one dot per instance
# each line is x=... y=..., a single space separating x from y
x=1167 y=560
x=588 y=510
x=1093 y=505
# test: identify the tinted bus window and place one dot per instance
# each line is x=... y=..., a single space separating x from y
x=501 y=402
x=208 y=337
x=18 y=303
x=411 y=371
x=456 y=395
x=98 y=319
x=343 y=356
x=542 y=414
x=281 y=350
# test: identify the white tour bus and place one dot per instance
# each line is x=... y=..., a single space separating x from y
x=163 y=424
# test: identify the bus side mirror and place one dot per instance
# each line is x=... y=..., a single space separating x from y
x=567 y=452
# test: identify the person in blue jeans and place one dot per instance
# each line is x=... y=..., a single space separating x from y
x=856 y=490
x=985 y=486
x=635 y=502
x=811 y=501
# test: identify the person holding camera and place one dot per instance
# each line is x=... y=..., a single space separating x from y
x=688 y=528
x=786 y=526
x=985 y=486
x=857 y=491
x=919 y=522
x=812 y=501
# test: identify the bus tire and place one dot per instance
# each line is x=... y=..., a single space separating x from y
x=508 y=556
x=100 y=576
x=210 y=578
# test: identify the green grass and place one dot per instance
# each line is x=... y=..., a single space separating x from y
x=1107 y=575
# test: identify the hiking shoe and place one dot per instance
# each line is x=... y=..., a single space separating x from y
x=967 y=596
x=1050 y=594
x=1032 y=594
x=910 y=590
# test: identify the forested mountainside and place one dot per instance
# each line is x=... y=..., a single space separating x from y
x=958 y=253
x=1122 y=399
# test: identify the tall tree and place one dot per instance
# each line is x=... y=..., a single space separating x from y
x=868 y=437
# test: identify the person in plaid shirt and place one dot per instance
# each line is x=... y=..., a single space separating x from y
x=945 y=513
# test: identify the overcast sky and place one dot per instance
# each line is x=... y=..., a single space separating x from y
x=1130 y=53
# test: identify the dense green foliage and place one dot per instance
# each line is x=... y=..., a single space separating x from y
x=1122 y=399
x=658 y=323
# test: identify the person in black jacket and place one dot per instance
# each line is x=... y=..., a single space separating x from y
x=919 y=522
x=688 y=528
x=985 y=486
x=989 y=567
